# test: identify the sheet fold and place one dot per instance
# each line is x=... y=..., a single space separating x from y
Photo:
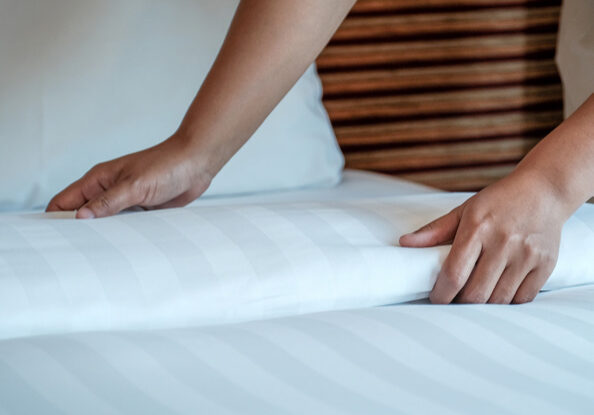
x=207 y=265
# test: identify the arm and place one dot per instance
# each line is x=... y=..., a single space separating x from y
x=268 y=47
x=506 y=237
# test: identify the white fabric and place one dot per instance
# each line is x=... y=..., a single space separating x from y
x=354 y=185
x=84 y=81
x=575 y=52
x=536 y=358
x=206 y=265
x=59 y=276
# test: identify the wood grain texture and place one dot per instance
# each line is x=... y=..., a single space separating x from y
x=421 y=157
x=472 y=49
x=361 y=28
x=450 y=93
x=467 y=127
x=438 y=103
x=461 y=179
x=383 y=6
x=478 y=74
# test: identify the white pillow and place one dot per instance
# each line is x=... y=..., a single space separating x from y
x=86 y=81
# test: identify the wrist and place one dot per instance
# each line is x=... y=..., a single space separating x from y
x=194 y=157
x=546 y=186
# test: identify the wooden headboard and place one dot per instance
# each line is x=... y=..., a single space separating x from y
x=450 y=93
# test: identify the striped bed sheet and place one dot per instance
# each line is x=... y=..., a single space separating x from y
x=206 y=265
x=273 y=304
x=535 y=358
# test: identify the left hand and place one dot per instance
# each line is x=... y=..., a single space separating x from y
x=505 y=243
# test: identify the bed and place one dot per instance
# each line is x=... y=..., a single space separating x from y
x=283 y=293
x=284 y=348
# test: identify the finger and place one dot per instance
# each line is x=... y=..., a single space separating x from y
x=531 y=285
x=441 y=230
x=484 y=277
x=78 y=193
x=109 y=203
x=456 y=269
x=508 y=283
x=68 y=199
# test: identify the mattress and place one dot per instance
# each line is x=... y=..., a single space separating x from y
x=299 y=302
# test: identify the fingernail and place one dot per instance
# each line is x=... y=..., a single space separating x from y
x=85 y=213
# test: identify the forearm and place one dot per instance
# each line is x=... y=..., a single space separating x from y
x=269 y=45
x=565 y=160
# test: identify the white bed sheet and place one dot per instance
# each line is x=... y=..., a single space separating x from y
x=74 y=344
x=535 y=358
x=222 y=262
x=227 y=263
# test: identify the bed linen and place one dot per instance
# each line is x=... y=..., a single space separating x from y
x=73 y=341
x=535 y=358
x=227 y=263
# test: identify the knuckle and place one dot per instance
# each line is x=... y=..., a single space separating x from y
x=87 y=185
x=453 y=277
x=531 y=251
x=104 y=203
x=97 y=168
x=507 y=236
x=487 y=223
x=480 y=227
x=476 y=221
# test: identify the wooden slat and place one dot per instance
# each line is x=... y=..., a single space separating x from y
x=450 y=93
x=415 y=52
x=452 y=76
x=480 y=22
x=371 y=6
x=457 y=102
x=447 y=129
x=462 y=179
x=441 y=155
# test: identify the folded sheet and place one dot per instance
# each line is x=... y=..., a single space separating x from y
x=207 y=265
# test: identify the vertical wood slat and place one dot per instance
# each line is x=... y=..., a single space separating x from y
x=450 y=93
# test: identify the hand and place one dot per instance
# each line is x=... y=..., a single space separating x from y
x=247 y=80
x=167 y=175
x=505 y=243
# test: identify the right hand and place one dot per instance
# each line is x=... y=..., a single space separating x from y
x=166 y=175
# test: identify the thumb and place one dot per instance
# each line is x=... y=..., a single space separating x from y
x=108 y=203
x=440 y=231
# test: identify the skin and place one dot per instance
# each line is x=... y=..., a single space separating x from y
x=269 y=45
x=505 y=239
